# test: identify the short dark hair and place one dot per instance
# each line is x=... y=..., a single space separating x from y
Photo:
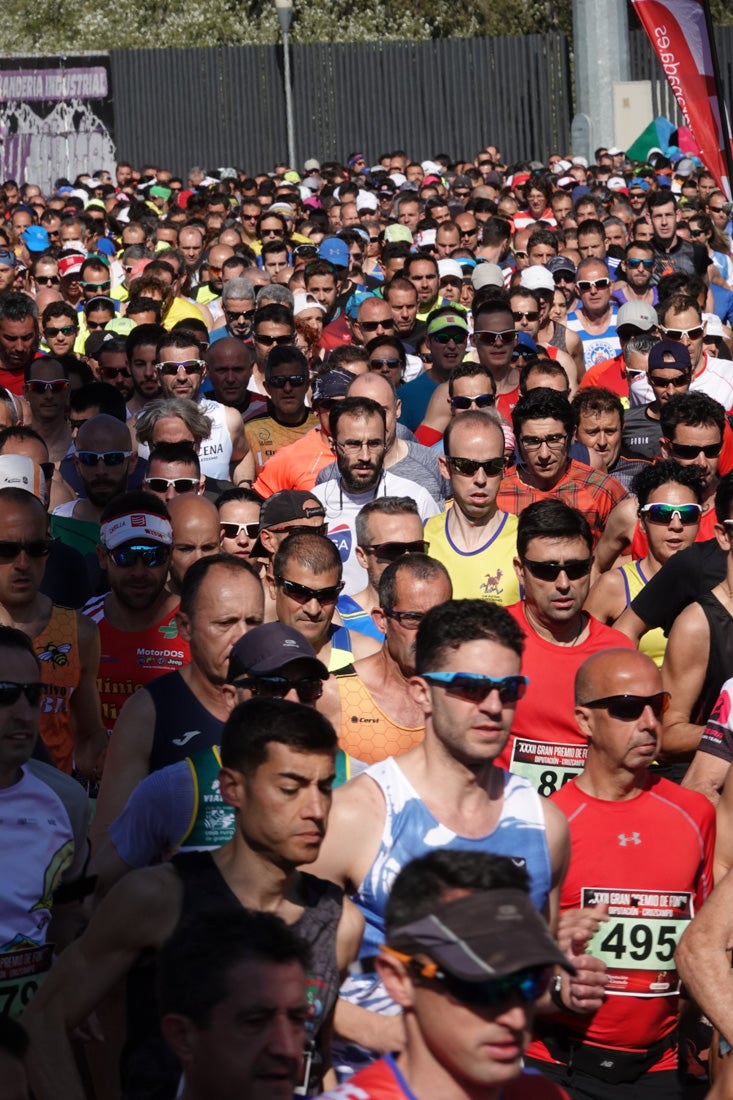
x=388 y=341
x=195 y=963
x=415 y=257
x=101 y=395
x=197 y=573
x=663 y=472
x=724 y=498
x=419 y=566
x=548 y=367
x=543 y=404
x=178 y=338
x=10 y=637
x=15 y=306
x=311 y=550
x=240 y=495
x=59 y=309
x=423 y=882
x=112 y=345
x=254 y=725
x=287 y=353
x=275 y=313
x=691 y=410
x=455 y=622
x=470 y=370
x=144 y=336
x=551 y=519
x=134 y=500
x=596 y=399
x=176 y=452
x=498 y=302
x=358 y=407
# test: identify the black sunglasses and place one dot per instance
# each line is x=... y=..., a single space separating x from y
x=36 y=548
x=11 y=691
x=303 y=594
x=551 y=570
x=629 y=708
x=391 y=551
x=277 y=687
x=492 y=467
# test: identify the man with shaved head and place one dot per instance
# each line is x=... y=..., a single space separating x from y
x=195 y=522
x=641 y=856
x=104 y=459
x=229 y=367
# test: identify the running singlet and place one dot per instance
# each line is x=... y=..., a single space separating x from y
x=483 y=574
x=384 y=1081
x=57 y=648
x=596 y=346
x=266 y=436
x=131 y=659
x=216 y=451
x=179 y=719
x=410 y=831
x=38 y=846
x=357 y=618
x=650 y=859
x=367 y=733
x=654 y=641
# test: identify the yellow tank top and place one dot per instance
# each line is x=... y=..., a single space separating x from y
x=57 y=647
x=483 y=574
x=367 y=733
x=654 y=642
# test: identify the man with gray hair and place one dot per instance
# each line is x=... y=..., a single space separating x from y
x=238 y=304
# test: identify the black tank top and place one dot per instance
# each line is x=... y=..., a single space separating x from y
x=720 y=659
x=182 y=724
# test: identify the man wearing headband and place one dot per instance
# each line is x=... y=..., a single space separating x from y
x=642 y=851
x=466 y=957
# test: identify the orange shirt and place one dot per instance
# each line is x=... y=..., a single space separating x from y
x=295 y=466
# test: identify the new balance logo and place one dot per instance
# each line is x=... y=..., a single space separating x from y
x=635 y=838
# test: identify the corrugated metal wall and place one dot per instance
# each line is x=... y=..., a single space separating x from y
x=226 y=106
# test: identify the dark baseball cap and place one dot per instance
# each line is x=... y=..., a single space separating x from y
x=286 y=506
x=487 y=934
x=562 y=263
x=270 y=648
x=334 y=383
x=668 y=355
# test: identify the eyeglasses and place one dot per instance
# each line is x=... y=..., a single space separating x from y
x=391 y=551
x=233 y=530
x=277 y=687
x=683 y=333
x=687 y=514
x=280 y=381
x=457 y=336
x=97 y=287
x=648 y=264
x=301 y=593
x=11 y=691
x=593 y=284
x=385 y=362
x=48 y=280
x=503 y=338
x=475 y=687
x=56 y=385
x=65 y=330
x=492 y=467
x=191 y=366
x=115 y=372
x=551 y=570
x=233 y=315
x=531 y=315
x=662 y=383
x=36 y=548
x=629 y=708
x=691 y=450
x=268 y=341
x=109 y=458
x=372 y=326
x=151 y=556
x=534 y=442
x=354 y=447
x=409 y=619
x=481 y=401
x=163 y=484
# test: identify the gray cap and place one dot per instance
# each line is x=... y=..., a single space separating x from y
x=487 y=275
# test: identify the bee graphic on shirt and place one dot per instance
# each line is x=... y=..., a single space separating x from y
x=56 y=654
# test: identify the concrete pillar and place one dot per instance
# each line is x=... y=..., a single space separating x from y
x=601 y=46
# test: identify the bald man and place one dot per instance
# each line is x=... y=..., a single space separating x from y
x=229 y=367
x=641 y=856
x=104 y=459
x=196 y=526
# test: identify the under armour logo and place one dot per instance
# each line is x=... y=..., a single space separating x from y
x=635 y=838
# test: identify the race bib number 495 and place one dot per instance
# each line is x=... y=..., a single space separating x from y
x=637 y=942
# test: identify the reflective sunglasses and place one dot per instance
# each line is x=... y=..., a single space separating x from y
x=48 y=280
x=682 y=379
x=109 y=458
x=503 y=338
x=687 y=514
x=64 y=330
x=531 y=314
x=590 y=284
x=36 y=548
x=11 y=691
x=233 y=315
x=492 y=467
x=268 y=341
x=191 y=366
x=233 y=530
x=301 y=593
x=691 y=450
x=551 y=570
x=115 y=372
x=151 y=556
x=534 y=442
x=527 y=986
x=98 y=287
x=280 y=381
x=385 y=363
x=474 y=687
x=481 y=401
x=56 y=385
x=309 y=690
x=680 y=333
x=648 y=264
x=629 y=708
x=372 y=326
x=391 y=551
x=409 y=619
x=163 y=484
x=458 y=336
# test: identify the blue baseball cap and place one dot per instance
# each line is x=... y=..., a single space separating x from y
x=335 y=251
x=36 y=238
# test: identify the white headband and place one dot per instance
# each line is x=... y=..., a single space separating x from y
x=135 y=525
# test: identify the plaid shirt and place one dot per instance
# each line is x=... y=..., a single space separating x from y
x=592 y=493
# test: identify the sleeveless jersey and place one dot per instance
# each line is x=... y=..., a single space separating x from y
x=341 y=654
x=357 y=618
x=654 y=642
x=596 y=346
x=367 y=733
x=266 y=436
x=38 y=846
x=131 y=659
x=720 y=659
x=216 y=451
x=621 y=855
x=57 y=647
x=483 y=574
x=179 y=718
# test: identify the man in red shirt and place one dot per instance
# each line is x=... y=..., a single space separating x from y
x=19 y=337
